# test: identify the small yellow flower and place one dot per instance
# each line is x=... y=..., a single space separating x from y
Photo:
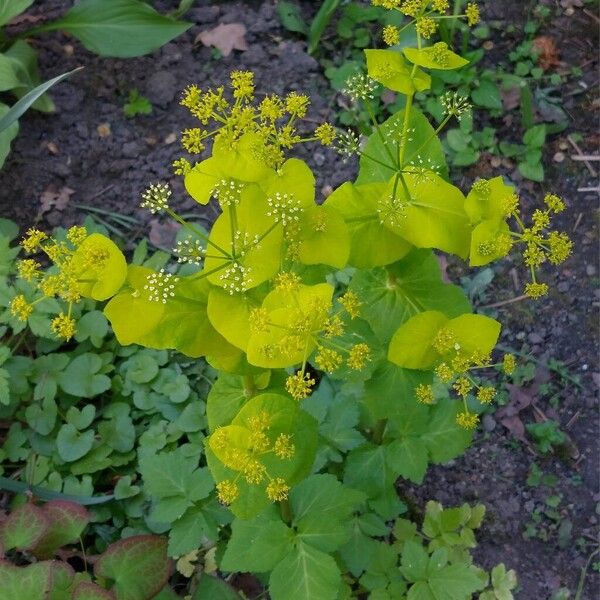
x=297 y=104
x=277 y=490
x=33 y=239
x=391 y=35
x=472 y=13
x=287 y=282
x=486 y=394
x=299 y=386
x=254 y=471
x=63 y=326
x=536 y=290
x=192 y=140
x=560 y=247
x=467 y=420
x=444 y=341
x=440 y=6
x=358 y=356
x=76 y=234
x=284 y=447
x=411 y=8
x=271 y=108
x=181 y=166
x=510 y=205
x=20 y=308
x=333 y=327
x=462 y=386
x=444 y=372
x=509 y=364
x=326 y=134
x=259 y=441
x=554 y=203
x=227 y=491
x=424 y=394
x=259 y=320
x=243 y=84
x=426 y=27
x=328 y=360
x=219 y=439
x=28 y=269
x=351 y=303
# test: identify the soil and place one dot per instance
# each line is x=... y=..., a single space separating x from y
x=106 y=160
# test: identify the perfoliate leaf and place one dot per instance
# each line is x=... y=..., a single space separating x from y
x=437 y=56
x=390 y=69
x=422 y=143
x=371 y=245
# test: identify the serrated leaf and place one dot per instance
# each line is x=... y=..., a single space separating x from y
x=305 y=574
x=414 y=561
x=138 y=566
x=411 y=457
x=257 y=545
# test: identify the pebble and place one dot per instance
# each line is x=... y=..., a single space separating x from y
x=161 y=88
x=590 y=270
x=319 y=158
x=131 y=149
x=535 y=338
x=563 y=286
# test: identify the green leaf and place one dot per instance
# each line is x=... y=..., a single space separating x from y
x=7 y=134
x=24 y=527
x=187 y=533
x=535 y=137
x=31 y=582
x=67 y=521
x=174 y=475
x=414 y=284
x=92 y=326
x=320 y=22
x=305 y=574
x=26 y=65
x=445 y=439
x=10 y=117
x=42 y=417
x=86 y=590
x=9 y=9
x=291 y=18
x=138 y=566
x=411 y=456
x=215 y=589
x=118 y=28
x=81 y=418
x=414 y=561
x=9 y=76
x=257 y=545
x=82 y=378
x=137 y=105
x=535 y=172
x=71 y=444
x=487 y=95
x=455 y=582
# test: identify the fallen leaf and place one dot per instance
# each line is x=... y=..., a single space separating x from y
x=52 y=147
x=548 y=52
x=171 y=138
x=53 y=198
x=225 y=38
x=511 y=98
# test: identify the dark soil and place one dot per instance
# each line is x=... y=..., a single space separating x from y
x=66 y=150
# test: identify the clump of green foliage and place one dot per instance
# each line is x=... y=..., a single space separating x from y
x=340 y=359
x=119 y=28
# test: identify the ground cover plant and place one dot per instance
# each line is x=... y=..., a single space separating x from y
x=372 y=424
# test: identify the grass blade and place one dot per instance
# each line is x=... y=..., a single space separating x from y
x=320 y=22
x=28 y=99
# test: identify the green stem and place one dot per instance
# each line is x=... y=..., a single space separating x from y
x=380 y=133
x=196 y=231
x=378 y=431
x=249 y=386
x=404 y=137
x=286 y=511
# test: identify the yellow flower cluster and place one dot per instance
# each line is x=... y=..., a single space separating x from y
x=299 y=385
x=64 y=282
x=542 y=245
x=272 y=119
x=247 y=461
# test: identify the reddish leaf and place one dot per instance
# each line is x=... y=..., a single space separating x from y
x=25 y=583
x=225 y=38
x=24 y=527
x=53 y=198
x=90 y=591
x=139 y=566
x=66 y=522
x=548 y=52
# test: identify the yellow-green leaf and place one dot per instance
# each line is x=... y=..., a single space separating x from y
x=389 y=68
x=438 y=56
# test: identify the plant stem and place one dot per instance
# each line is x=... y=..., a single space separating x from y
x=286 y=511
x=249 y=386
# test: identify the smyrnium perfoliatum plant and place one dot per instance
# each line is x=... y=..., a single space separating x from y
x=288 y=294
